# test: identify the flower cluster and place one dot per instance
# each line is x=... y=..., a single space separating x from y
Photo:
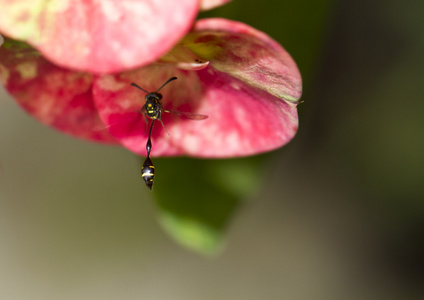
x=76 y=74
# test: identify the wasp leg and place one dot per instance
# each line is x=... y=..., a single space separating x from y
x=164 y=127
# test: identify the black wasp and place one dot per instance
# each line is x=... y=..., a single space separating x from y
x=153 y=109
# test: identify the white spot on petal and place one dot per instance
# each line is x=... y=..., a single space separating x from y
x=235 y=85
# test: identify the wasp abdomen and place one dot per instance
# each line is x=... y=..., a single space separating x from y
x=148 y=172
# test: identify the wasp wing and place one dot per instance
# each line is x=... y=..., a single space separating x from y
x=186 y=115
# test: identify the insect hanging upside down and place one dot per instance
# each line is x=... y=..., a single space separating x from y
x=153 y=109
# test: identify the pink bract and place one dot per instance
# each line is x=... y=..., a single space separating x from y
x=55 y=96
x=249 y=89
x=99 y=36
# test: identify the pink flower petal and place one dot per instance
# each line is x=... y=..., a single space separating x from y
x=99 y=36
x=56 y=97
x=242 y=120
x=248 y=54
x=209 y=4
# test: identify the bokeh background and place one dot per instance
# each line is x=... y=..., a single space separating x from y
x=336 y=214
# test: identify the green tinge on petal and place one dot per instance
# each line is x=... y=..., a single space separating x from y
x=24 y=19
x=206 y=49
x=192 y=234
x=193 y=52
x=22 y=56
x=19 y=47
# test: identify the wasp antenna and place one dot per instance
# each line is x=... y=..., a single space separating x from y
x=133 y=84
x=168 y=81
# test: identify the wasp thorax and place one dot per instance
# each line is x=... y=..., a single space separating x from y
x=153 y=107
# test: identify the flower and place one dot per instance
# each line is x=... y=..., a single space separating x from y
x=249 y=87
x=243 y=80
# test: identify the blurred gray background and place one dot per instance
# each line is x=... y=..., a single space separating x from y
x=340 y=215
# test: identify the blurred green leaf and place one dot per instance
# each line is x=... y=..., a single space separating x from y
x=197 y=198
